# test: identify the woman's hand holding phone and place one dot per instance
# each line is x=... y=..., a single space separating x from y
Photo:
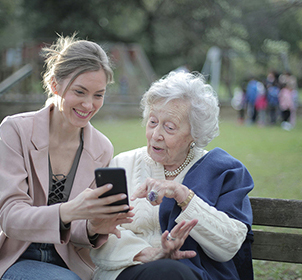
x=117 y=178
x=109 y=215
x=101 y=212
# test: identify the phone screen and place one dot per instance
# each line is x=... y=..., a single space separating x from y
x=115 y=176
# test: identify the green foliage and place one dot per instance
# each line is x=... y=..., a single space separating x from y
x=6 y=11
x=253 y=35
x=170 y=37
x=10 y=28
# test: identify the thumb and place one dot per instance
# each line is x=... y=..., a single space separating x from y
x=117 y=233
x=187 y=254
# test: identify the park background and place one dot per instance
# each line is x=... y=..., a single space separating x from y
x=228 y=41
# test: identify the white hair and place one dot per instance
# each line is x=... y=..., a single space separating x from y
x=203 y=112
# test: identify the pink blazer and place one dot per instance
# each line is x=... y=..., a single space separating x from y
x=24 y=185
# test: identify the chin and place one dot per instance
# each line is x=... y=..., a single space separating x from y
x=157 y=159
x=81 y=124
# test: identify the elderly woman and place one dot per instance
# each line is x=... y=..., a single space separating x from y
x=192 y=212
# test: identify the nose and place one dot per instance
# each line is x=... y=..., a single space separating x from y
x=157 y=134
x=87 y=103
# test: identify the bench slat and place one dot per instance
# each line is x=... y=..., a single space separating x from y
x=281 y=247
x=277 y=212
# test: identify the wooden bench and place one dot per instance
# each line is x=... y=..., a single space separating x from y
x=273 y=244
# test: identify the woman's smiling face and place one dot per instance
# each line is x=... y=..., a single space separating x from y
x=83 y=98
x=168 y=133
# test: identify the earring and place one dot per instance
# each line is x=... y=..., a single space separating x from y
x=192 y=145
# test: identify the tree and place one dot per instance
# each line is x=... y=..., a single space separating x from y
x=174 y=32
x=10 y=30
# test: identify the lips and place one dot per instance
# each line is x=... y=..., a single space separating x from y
x=157 y=149
x=82 y=114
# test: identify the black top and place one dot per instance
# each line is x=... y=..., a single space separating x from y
x=59 y=184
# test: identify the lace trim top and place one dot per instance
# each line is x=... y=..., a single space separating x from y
x=59 y=184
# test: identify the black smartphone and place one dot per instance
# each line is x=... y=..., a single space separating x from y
x=115 y=176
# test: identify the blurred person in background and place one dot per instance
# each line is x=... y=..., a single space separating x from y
x=261 y=104
x=273 y=90
x=288 y=97
x=251 y=97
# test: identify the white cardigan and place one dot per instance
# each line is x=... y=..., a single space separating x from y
x=219 y=236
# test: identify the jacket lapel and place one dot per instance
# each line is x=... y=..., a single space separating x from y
x=89 y=161
x=40 y=140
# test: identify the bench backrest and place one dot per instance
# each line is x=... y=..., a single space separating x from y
x=274 y=244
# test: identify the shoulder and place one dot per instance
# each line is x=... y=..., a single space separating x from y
x=221 y=159
x=96 y=143
x=130 y=159
x=130 y=156
x=18 y=131
x=18 y=118
x=18 y=124
x=217 y=163
x=96 y=135
x=218 y=172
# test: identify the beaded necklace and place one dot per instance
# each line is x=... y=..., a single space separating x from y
x=175 y=172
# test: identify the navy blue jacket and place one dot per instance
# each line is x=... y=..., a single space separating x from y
x=223 y=182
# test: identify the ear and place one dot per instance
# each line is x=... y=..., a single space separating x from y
x=54 y=85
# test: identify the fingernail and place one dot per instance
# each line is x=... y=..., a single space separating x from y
x=126 y=207
x=109 y=186
x=123 y=196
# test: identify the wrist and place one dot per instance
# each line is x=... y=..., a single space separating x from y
x=148 y=254
x=90 y=231
x=185 y=202
x=65 y=213
x=181 y=194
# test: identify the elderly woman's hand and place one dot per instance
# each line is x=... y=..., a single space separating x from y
x=171 y=244
x=161 y=188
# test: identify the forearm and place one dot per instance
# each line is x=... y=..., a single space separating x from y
x=149 y=254
x=119 y=253
x=28 y=223
x=219 y=236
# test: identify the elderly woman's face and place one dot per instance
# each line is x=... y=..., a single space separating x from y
x=168 y=133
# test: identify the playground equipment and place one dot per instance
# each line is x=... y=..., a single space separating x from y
x=133 y=74
x=212 y=67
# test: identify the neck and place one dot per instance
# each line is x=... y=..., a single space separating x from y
x=60 y=130
x=175 y=172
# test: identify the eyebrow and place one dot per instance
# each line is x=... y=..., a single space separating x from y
x=102 y=90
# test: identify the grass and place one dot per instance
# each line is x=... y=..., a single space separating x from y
x=124 y=134
x=273 y=157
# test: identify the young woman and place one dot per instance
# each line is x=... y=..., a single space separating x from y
x=50 y=210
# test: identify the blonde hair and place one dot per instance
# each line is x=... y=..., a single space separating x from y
x=70 y=55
